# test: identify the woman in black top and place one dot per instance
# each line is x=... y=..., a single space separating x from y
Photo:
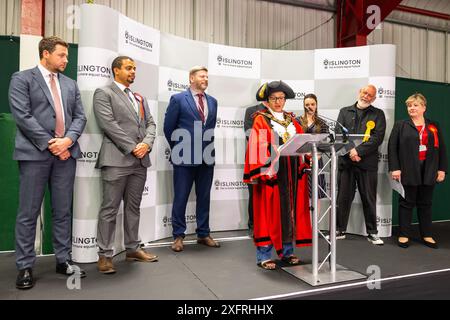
x=311 y=123
x=417 y=158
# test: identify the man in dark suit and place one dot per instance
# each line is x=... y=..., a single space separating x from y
x=248 y=123
x=47 y=108
x=189 y=128
x=129 y=133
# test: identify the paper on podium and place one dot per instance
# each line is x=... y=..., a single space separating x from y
x=396 y=185
x=300 y=143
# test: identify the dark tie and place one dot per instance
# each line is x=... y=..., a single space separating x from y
x=201 y=106
x=133 y=103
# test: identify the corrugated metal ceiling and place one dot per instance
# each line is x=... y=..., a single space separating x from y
x=442 y=6
x=439 y=6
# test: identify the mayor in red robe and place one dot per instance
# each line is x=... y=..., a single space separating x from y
x=280 y=201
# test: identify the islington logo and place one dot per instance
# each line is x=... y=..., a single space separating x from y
x=176 y=87
x=229 y=124
x=84 y=242
x=382 y=157
x=167 y=153
x=300 y=96
x=230 y=185
x=167 y=221
x=89 y=157
x=235 y=63
x=384 y=222
x=386 y=93
x=342 y=64
x=138 y=42
x=146 y=191
x=190 y=218
x=90 y=70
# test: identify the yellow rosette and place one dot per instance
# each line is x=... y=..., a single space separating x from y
x=369 y=125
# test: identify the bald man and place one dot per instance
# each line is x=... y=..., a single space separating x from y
x=359 y=167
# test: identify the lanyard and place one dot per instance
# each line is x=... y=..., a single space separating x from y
x=421 y=134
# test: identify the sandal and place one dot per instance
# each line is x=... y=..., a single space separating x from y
x=291 y=260
x=267 y=265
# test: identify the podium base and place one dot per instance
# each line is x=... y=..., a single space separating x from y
x=324 y=277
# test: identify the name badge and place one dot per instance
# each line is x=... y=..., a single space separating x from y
x=422 y=147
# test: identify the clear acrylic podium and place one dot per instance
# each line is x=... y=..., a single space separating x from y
x=327 y=271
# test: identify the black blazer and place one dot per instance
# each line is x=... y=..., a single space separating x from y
x=403 y=153
x=368 y=151
x=248 y=119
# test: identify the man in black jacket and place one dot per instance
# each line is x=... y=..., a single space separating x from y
x=360 y=165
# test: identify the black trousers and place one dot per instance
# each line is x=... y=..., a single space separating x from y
x=367 y=186
x=420 y=197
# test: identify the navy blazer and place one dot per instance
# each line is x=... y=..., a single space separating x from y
x=32 y=108
x=185 y=132
x=403 y=153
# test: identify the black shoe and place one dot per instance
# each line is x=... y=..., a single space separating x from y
x=403 y=245
x=430 y=244
x=340 y=235
x=68 y=268
x=25 y=279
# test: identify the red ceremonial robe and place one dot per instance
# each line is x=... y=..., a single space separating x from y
x=260 y=169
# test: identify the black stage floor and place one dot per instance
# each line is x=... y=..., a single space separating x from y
x=230 y=273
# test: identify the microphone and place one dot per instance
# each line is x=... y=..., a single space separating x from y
x=344 y=129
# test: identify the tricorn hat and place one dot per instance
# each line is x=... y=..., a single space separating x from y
x=268 y=88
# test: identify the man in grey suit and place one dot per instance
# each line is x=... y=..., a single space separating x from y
x=129 y=133
x=47 y=108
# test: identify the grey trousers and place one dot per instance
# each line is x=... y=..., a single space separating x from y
x=34 y=177
x=119 y=184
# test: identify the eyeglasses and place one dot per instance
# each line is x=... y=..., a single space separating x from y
x=275 y=99
x=366 y=93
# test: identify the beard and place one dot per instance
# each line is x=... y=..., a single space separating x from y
x=362 y=104
x=61 y=69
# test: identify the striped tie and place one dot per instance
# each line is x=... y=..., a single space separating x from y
x=201 y=106
x=132 y=99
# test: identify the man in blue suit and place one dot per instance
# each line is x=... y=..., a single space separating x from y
x=47 y=108
x=189 y=128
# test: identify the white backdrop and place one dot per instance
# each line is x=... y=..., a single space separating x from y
x=163 y=61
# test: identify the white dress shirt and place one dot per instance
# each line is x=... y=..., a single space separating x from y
x=131 y=96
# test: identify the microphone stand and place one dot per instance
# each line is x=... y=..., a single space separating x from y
x=343 y=129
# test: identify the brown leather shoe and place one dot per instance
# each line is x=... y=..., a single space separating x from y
x=177 y=245
x=208 y=241
x=141 y=256
x=105 y=265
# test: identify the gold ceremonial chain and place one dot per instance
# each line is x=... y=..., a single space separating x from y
x=286 y=136
x=284 y=123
